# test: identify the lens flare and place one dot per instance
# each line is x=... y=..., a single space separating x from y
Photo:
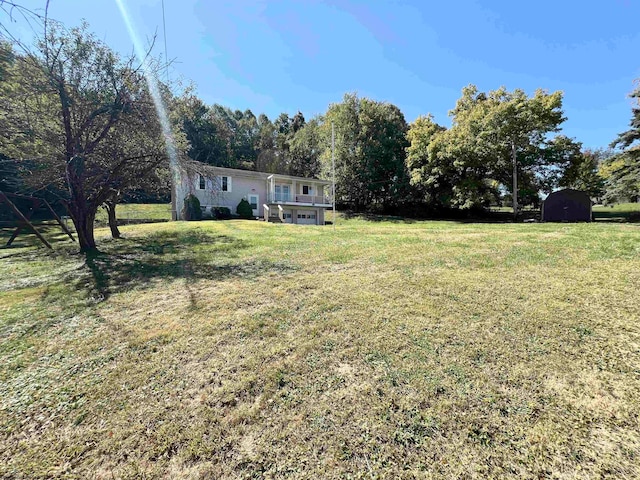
x=157 y=100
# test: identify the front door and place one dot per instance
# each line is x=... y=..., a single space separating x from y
x=254 y=201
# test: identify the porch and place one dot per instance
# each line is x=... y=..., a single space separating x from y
x=290 y=191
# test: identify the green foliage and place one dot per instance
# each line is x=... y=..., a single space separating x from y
x=429 y=175
x=86 y=115
x=235 y=139
x=465 y=165
x=622 y=177
x=191 y=209
x=221 y=213
x=244 y=209
x=631 y=136
x=305 y=150
x=369 y=152
x=582 y=172
x=623 y=170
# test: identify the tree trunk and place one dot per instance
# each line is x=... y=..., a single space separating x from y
x=82 y=212
x=83 y=220
x=113 y=221
x=515 y=182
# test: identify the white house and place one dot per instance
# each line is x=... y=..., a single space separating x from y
x=273 y=197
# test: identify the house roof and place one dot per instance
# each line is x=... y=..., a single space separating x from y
x=577 y=195
x=207 y=170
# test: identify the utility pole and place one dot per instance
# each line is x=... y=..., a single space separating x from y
x=515 y=181
x=333 y=167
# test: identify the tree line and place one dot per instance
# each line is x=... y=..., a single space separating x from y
x=78 y=121
x=499 y=142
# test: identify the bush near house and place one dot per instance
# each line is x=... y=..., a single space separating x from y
x=244 y=209
x=191 y=210
x=220 y=213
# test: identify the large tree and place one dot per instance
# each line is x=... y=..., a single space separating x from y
x=209 y=136
x=369 y=152
x=73 y=101
x=305 y=149
x=430 y=177
x=623 y=170
x=514 y=127
x=496 y=138
x=582 y=171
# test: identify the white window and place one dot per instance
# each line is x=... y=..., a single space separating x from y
x=201 y=182
x=224 y=182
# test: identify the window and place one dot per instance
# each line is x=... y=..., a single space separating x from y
x=286 y=215
x=312 y=216
x=201 y=182
x=225 y=184
x=302 y=215
x=253 y=201
x=307 y=190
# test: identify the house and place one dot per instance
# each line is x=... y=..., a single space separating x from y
x=273 y=197
x=567 y=205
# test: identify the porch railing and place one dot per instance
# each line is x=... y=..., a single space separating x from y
x=292 y=198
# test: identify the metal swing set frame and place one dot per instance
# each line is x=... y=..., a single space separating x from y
x=24 y=219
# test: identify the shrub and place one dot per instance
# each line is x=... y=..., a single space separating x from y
x=244 y=209
x=220 y=213
x=191 y=209
x=207 y=214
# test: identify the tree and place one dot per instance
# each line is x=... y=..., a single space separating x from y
x=623 y=170
x=621 y=178
x=515 y=127
x=495 y=138
x=305 y=150
x=246 y=140
x=208 y=136
x=428 y=175
x=74 y=102
x=282 y=126
x=369 y=153
x=582 y=171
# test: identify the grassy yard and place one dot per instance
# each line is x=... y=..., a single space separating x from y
x=137 y=211
x=620 y=212
x=387 y=349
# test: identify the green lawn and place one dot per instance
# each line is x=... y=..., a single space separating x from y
x=620 y=212
x=137 y=211
x=388 y=349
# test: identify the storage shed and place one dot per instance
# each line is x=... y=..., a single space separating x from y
x=567 y=206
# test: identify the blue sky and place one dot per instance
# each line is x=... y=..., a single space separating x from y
x=274 y=56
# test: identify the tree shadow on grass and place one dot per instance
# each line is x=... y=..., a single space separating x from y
x=372 y=217
x=449 y=215
x=135 y=263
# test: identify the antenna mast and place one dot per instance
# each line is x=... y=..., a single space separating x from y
x=333 y=167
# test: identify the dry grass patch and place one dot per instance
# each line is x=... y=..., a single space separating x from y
x=381 y=350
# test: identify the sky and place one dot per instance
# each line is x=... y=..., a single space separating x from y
x=288 y=56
